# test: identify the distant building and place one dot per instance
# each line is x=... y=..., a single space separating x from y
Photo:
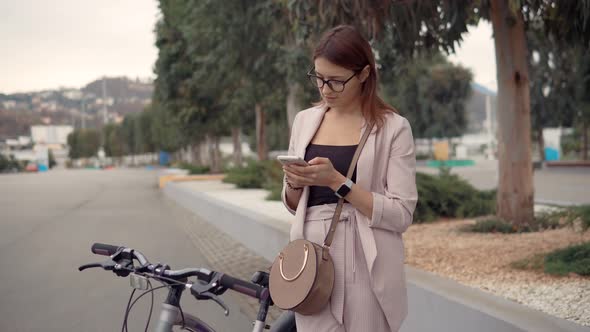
x=51 y=135
x=480 y=136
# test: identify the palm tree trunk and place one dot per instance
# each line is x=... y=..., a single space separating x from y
x=515 y=189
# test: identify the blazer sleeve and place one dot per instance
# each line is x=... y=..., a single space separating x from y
x=292 y=142
x=393 y=210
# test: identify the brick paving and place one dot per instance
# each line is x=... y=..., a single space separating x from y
x=225 y=254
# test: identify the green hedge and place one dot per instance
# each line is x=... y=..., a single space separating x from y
x=193 y=169
x=447 y=195
x=266 y=174
x=443 y=195
x=10 y=164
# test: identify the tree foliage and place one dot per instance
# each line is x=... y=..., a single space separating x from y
x=83 y=143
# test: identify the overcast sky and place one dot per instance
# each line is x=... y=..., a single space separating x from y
x=69 y=43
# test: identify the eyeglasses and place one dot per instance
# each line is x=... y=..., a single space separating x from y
x=335 y=85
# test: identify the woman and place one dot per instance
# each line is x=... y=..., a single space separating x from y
x=368 y=253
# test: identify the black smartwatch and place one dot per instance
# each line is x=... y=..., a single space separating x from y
x=344 y=188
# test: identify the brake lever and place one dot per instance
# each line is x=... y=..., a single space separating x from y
x=89 y=266
x=203 y=291
x=120 y=269
x=218 y=301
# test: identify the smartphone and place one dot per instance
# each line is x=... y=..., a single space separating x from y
x=292 y=160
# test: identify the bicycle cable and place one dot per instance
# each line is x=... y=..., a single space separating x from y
x=124 y=327
x=136 y=299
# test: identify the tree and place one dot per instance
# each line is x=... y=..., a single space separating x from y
x=431 y=93
x=582 y=93
x=51 y=157
x=552 y=91
x=83 y=143
x=427 y=24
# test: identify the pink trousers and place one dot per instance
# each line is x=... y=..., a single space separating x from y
x=353 y=306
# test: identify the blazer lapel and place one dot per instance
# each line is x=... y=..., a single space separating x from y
x=364 y=180
x=309 y=127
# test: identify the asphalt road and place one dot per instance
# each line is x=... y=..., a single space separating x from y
x=48 y=221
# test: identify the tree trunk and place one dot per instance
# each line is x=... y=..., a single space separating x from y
x=237 y=145
x=260 y=133
x=217 y=163
x=293 y=101
x=196 y=154
x=515 y=196
x=210 y=151
x=541 y=143
x=584 y=140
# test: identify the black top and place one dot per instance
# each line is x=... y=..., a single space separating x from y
x=341 y=157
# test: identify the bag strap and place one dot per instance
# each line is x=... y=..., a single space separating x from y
x=336 y=218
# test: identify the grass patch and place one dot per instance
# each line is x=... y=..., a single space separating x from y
x=561 y=262
x=574 y=259
x=490 y=225
x=543 y=221
x=536 y=262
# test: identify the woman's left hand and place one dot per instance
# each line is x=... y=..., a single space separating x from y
x=320 y=172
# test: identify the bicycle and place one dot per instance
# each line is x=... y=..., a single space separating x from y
x=209 y=285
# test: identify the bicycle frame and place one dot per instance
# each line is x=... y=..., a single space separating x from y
x=170 y=315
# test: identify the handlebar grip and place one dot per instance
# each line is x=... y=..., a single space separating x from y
x=241 y=286
x=104 y=249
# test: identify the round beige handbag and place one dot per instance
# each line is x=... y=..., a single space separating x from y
x=302 y=277
x=302 y=274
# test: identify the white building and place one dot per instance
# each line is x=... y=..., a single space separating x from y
x=51 y=135
x=54 y=138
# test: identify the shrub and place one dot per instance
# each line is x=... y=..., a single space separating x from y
x=10 y=164
x=574 y=259
x=194 y=169
x=496 y=225
x=444 y=195
x=490 y=225
x=447 y=195
x=576 y=214
x=266 y=174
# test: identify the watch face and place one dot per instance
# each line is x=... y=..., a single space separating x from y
x=343 y=190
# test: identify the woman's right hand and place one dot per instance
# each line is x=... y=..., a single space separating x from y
x=293 y=177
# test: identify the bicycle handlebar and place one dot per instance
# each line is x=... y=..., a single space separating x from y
x=224 y=280
x=244 y=287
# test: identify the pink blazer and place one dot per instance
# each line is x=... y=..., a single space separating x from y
x=387 y=169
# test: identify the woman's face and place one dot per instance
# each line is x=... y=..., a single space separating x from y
x=352 y=89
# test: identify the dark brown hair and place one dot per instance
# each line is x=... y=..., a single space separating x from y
x=345 y=46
